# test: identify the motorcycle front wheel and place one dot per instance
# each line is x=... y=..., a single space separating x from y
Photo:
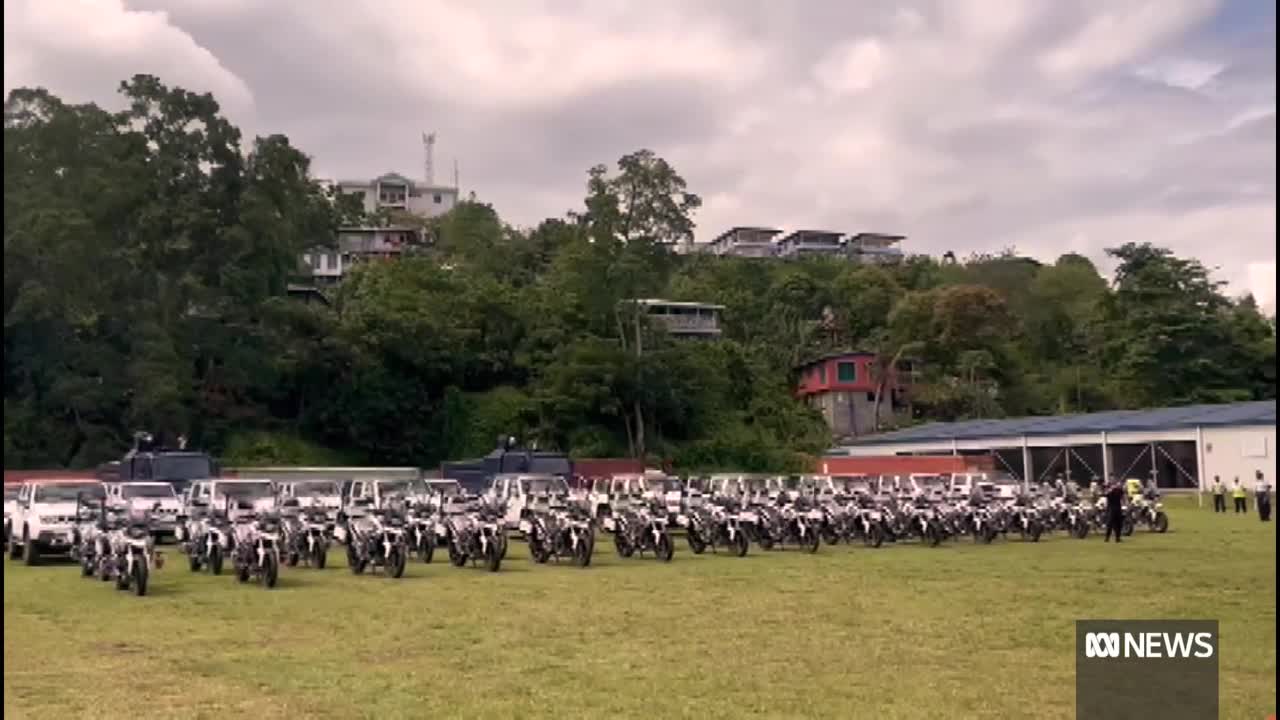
x=140 y=577
x=396 y=563
x=270 y=571
x=740 y=544
x=1162 y=522
x=663 y=548
x=493 y=556
x=696 y=543
x=215 y=559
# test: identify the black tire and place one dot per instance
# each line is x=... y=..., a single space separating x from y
x=696 y=543
x=622 y=546
x=319 y=557
x=15 y=550
x=292 y=559
x=1082 y=530
x=493 y=556
x=933 y=535
x=86 y=566
x=270 y=571
x=242 y=574
x=988 y=535
x=426 y=549
x=396 y=562
x=501 y=542
x=765 y=540
x=30 y=553
x=193 y=561
x=456 y=558
x=582 y=553
x=1036 y=531
x=141 y=574
x=809 y=543
x=1161 y=523
x=664 y=549
x=215 y=559
x=740 y=544
x=1128 y=526
x=874 y=537
x=829 y=535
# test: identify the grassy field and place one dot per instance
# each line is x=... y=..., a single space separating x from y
x=902 y=632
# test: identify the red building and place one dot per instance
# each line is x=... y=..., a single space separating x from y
x=842 y=386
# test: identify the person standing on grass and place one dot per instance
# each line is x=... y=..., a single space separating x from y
x=1262 y=496
x=1241 y=499
x=1115 y=510
x=1219 y=495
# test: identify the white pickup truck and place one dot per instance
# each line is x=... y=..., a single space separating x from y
x=45 y=517
x=516 y=493
x=652 y=485
x=137 y=496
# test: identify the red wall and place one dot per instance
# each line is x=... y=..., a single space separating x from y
x=903 y=464
x=811 y=381
x=604 y=467
x=21 y=476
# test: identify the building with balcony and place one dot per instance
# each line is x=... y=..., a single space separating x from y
x=684 y=319
x=753 y=242
x=842 y=386
x=392 y=191
x=810 y=242
x=874 y=247
x=356 y=245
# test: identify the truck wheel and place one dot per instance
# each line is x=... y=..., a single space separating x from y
x=30 y=553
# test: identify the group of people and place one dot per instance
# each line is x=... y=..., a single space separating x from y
x=1262 y=496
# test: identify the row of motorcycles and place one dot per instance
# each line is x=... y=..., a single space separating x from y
x=378 y=540
x=734 y=522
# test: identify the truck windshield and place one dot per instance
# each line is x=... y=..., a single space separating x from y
x=146 y=491
x=67 y=492
x=245 y=491
x=315 y=488
x=181 y=467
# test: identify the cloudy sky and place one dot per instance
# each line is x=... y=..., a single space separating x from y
x=969 y=125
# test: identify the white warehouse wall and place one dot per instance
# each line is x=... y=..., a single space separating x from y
x=1236 y=452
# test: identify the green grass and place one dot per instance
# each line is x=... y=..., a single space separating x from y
x=902 y=632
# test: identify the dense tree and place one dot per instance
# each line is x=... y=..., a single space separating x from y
x=147 y=253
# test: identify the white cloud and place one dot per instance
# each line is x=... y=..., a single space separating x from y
x=64 y=44
x=966 y=124
x=1186 y=73
x=851 y=68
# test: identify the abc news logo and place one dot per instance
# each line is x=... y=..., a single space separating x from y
x=1149 y=645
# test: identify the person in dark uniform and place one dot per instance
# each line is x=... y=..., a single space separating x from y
x=1219 y=495
x=1262 y=496
x=1115 y=510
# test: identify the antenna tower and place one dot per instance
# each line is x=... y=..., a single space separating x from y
x=429 y=150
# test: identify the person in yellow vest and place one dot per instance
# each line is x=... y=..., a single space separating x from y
x=1219 y=495
x=1241 y=499
x=1133 y=486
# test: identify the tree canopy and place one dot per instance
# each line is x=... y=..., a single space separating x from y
x=147 y=253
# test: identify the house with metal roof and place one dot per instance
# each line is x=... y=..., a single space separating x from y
x=1180 y=447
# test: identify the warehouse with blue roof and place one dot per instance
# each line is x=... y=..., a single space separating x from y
x=1181 y=447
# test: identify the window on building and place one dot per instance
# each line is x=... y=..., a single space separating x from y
x=333 y=261
x=847 y=372
x=437 y=198
x=323 y=263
